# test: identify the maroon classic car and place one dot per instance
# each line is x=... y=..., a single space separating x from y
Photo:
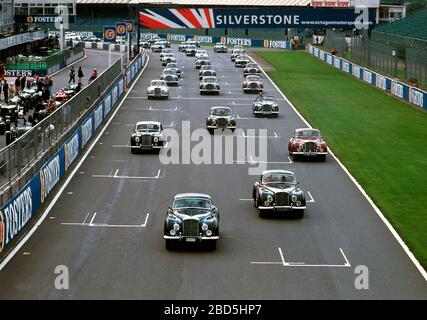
x=307 y=142
x=253 y=83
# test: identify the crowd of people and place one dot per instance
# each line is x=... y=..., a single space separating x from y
x=35 y=94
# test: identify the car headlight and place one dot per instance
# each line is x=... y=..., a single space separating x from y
x=164 y=91
x=298 y=203
x=176 y=227
x=270 y=198
x=137 y=139
x=214 y=121
x=294 y=198
x=301 y=145
x=208 y=233
x=156 y=139
x=205 y=227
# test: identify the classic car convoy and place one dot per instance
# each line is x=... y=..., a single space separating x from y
x=307 y=142
x=147 y=135
x=220 y=117
x=278 y=190
x=192 y=217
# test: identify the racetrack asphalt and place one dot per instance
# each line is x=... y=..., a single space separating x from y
x=114 y=250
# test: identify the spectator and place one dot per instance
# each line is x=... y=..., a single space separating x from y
x=23 y=82
x=79 y=87
x=49 y=85
x=80 y=74
x=93 y=75
x=11 y=91
x=46 y=94
x=39 y=84
x=52 y=105
x=2 y=72
x=334 y=51
x=6 y=91
x=17 y=84
x=72 y=75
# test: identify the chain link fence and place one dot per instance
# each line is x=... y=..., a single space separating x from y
x=24 y=157
x=416 y=65
x=375 y=55
x=336 y=40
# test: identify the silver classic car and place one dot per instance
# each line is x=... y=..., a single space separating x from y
x=220 y=117
x=209 y=85
x=265 y=106
x=191 y=50
x=251 y=68
x=201 y=62
x=174 y=66
x=220 y=47
x=241 y=60
x=168 y=58
x=147 y=135
x=206 y=70
x=170 y=76
x=158 y=89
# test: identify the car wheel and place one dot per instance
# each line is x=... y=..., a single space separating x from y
x=294 y=157
x=133 y=150
x=170 y=245
x=322 y=157
x=299 y=214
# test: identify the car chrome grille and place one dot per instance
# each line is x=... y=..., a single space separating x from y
x=169 y=78
x=146 y=140
x=309 y=147
x=267 y=108
x=222 y=122
x=209 y=86
x=190 y=228
x=252 y=70
x=253 y=85
x=282 y=199
x=157 y=91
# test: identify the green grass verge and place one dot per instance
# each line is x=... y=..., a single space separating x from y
x=381 y=140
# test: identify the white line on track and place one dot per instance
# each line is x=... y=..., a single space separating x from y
x=364 y=193
x=70 y=177
x=106 y=225
x=311 y=197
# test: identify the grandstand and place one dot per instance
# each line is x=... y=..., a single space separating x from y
x=408 y=32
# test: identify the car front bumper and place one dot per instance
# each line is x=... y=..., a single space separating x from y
x=181 y=238
x=265 y=112
x=226 y=127
x=309 y=154
x=282 y=208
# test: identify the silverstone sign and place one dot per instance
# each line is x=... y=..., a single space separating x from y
x=345 y=18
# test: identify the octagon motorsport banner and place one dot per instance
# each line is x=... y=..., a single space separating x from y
x=345 y=18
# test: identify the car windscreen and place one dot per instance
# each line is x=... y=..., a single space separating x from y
x=278 y=178
x=148 y=127
x=158 y=83
x=307 y=133
x=253 y=78
x=207 y=67
x=221 y=111
x=269 y=98
x=209 y=80
x=251 y=65
x=199 y=203
x=169 y=72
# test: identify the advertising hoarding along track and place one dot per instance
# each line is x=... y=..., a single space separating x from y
x=345 y=18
